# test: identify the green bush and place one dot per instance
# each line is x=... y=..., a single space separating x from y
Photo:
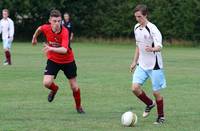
x=177 y=19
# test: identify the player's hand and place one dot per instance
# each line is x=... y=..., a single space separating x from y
x=149 y=49
x=46 y=48
x=34 y=41
x=10 y=37
x=132 y=67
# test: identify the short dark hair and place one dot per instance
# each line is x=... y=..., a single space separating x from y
x=142 y=8
x=55 y=13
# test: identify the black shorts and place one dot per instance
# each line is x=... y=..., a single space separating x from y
x=53 y=68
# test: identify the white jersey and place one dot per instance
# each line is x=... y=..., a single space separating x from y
x=148 y=36
x=7 y=28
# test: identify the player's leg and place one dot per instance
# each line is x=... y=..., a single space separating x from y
x=9 y=50
x=48 y=82
x=76 y=94
x=158 y=83
x=70 y=70
x=160 y=107
x=50 y=73
x=7 y=46
x=139 y=77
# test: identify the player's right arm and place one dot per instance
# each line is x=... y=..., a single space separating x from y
x=136 y=56
x=135 y=59
x=35 y=35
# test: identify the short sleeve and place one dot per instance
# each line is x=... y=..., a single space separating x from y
x=42 y=28
x=156 y=35
x=134 y=32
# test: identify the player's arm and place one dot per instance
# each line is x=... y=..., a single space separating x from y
x=135 y=59
x=60 y=50
x=72 y=36
x=35 y=35
x=157 y=39
x=72 y=32
x=64 y=45
x=153 y=49
x=12 y=29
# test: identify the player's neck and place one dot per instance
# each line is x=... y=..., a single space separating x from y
x=56 y=30
x=144 y=23
x=5 y=18
x=66 y=21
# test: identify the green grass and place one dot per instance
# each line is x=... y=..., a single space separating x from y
x=104 y=78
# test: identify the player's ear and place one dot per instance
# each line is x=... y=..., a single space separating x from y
x=49 y=19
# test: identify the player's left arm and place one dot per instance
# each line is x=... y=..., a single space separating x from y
x=11 y=29
x=72 y=36
x=60 y=50
x=72 y=32
x=157 y=39
x=153 y=49
x=65 y=41
x=64 y=45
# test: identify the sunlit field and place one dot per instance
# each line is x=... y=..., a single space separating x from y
x=105 y=80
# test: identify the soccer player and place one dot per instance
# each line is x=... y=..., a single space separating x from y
x=147 y=63
x=7 y=30
x=68 y=24
x=60 y=57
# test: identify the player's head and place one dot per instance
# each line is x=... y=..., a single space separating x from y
x=5 y=13
x=141 y=13
x=66 y=16
x=55 y=19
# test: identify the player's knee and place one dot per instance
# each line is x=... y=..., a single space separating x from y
x=6 y=49
x=157 y=95
x=135 y=87
x=74 y=86
x=47 y=83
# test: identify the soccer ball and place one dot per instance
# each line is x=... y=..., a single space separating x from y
x=128 y=119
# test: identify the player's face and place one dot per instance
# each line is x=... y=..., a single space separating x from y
x=140 y=18
x=66 y=17
x=55 y=23
x=5 y=14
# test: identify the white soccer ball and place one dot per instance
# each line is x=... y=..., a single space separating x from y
x=129 y=119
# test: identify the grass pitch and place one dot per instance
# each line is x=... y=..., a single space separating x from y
x=104 y=78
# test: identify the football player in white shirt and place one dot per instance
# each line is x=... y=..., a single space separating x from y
x=147 y=63
x=7 y=30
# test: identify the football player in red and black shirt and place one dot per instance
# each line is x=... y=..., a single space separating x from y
x=60 y=57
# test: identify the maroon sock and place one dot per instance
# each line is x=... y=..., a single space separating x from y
x=143 y=97
x=77 y=98
x=8 y=57
x=160 y=106
x=53 y=87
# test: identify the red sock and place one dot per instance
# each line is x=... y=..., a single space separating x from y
x=77 y=98
x=53 y=87
x=143 y=97
x=160 y=106
x=8 y=57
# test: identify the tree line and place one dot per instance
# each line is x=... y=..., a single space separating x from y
x=176 y=19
